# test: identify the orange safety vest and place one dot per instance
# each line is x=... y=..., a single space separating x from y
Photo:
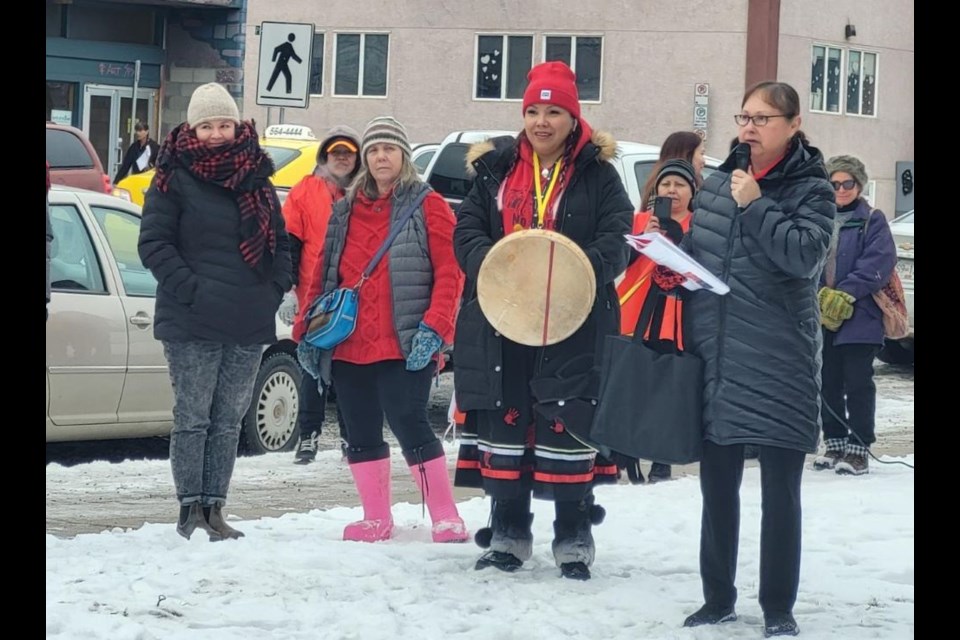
x=633 y=289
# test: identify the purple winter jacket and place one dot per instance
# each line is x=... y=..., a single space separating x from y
x=864 y=264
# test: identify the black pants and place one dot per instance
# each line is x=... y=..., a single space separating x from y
x=366 y=393
x=848 y=388
x=313 y=408
x=721 y=471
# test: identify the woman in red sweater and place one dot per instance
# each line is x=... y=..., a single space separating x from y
x=406 y=315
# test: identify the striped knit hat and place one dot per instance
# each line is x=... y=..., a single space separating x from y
x=384 y=129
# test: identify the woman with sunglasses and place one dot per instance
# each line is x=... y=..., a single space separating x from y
x=762 y=224
x=860 y=261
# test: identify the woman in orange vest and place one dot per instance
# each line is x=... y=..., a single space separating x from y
x=677 y=181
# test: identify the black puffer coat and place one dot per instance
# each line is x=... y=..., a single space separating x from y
x=595 y=212
x=190 y=241
x=761 y=342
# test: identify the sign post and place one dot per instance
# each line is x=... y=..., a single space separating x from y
x=701 y=108
x=283 y=75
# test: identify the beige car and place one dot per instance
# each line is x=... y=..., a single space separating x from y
x=106 y=374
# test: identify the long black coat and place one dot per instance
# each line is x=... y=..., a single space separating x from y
x=190 y=241
x=594 y=211
x=761 y=342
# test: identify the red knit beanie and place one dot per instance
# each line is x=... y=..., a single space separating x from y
x=553 y=83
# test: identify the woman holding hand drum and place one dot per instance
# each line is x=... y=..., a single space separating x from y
x=523 y=392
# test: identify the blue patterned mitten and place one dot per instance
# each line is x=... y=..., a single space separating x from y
x=425 y=343
x=309 y=358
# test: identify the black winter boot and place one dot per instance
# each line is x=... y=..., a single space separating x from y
x=509 y=536
x=710 y=614
x=659 y=472
x=779 y=624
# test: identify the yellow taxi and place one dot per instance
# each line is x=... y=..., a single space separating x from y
x=292 y=147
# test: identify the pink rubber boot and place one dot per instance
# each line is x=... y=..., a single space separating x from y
x=373 y=484
x=434 y=484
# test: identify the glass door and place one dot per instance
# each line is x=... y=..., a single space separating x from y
x=108 y=120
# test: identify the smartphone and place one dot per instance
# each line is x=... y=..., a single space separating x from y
x=661 y=207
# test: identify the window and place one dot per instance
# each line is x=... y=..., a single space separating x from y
x=115 y=22
x=281 y=156
x=861 y=83
x=73 y=262
x=853 y=83
x=316 y=66
x=122 y=230
x=497 y=81
x=449 y=176
x=825 y=79
x=66 y=151
x=584 y=54
x=361 y=64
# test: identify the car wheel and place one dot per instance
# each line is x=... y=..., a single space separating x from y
x=896 y=352
x=271 y=420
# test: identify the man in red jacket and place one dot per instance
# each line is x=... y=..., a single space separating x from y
x=306 y=212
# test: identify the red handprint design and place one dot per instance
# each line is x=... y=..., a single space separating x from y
x=510 y=417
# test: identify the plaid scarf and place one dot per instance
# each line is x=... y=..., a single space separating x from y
x=240 y=166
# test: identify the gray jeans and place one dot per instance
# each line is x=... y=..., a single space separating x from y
x=212 y=386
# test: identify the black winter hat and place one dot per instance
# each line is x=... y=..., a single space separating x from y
x=678 y=167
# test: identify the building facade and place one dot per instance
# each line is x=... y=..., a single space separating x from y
x=645 y=68
x=110 y=63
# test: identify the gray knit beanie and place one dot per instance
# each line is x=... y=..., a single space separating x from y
x=851 y=165
x=384 y=129
x=211 y=101
x=336 y=134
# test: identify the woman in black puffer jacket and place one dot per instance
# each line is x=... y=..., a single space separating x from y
x=764 y=232
x=213 y=236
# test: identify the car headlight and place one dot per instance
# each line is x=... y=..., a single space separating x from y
x=122 y=193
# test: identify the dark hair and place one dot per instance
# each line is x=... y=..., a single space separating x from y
x=141 y=126
x=568 y=146
x=678 y=145
x=783 y=97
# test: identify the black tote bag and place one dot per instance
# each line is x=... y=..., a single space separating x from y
x=650 y=403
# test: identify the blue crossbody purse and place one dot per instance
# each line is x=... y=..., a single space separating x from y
x=333 y=316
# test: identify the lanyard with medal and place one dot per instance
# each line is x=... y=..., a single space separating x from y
x=543 y=199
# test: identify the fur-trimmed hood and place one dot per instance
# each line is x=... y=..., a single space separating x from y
x=603 y=140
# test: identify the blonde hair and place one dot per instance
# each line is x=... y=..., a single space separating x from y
x=368 y=185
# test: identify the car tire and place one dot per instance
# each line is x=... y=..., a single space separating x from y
x=897 y=352
x=271 y=421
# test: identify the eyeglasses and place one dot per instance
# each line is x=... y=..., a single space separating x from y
x=758 y=121
x=846 y=184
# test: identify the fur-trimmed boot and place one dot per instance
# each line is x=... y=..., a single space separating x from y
x=434 y=483
x=573 y=547
x=509 y=537
x=373 y=484
x=219 y=529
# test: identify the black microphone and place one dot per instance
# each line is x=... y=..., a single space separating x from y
x=741 y=154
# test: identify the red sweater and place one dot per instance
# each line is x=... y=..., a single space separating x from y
x=375 y=338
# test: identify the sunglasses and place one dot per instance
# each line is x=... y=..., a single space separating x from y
x=846 y=184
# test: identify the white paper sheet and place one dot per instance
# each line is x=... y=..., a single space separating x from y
x=144 y=160
x=662 y=251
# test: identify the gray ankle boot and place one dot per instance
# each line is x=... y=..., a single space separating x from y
x=190 y=518
x=219 y=529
